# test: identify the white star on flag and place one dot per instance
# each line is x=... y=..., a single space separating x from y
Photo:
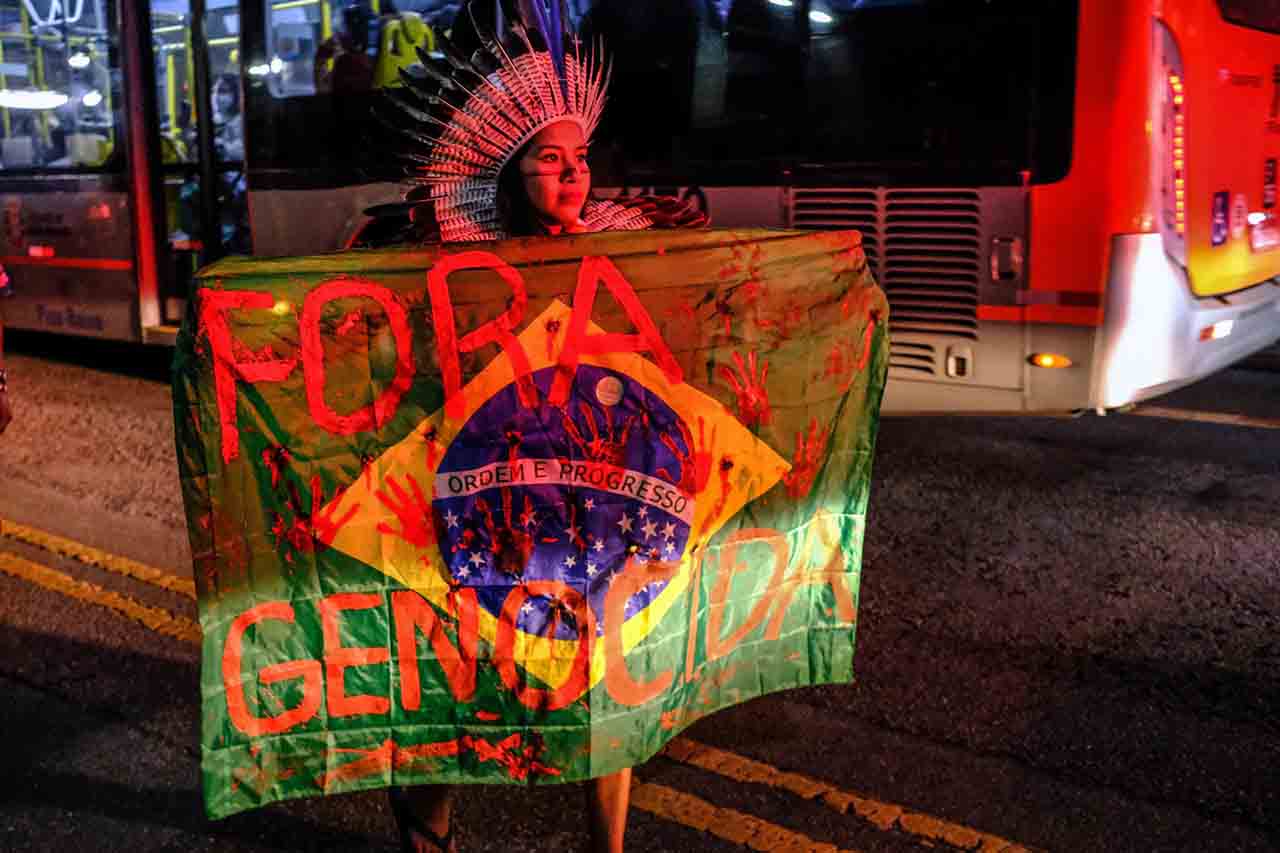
x=671 y=546
x=624 y=523
x=464 y=572
x=477 y=559
x=570 y=561
x=643 y=511
x=572 y=531
x=669 y=530
x=589 y=503
x=527 y=607
x=599 y=546
x=650 y=528
x=592 y=571
x=451 y=519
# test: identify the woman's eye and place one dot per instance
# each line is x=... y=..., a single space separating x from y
x=548 y=158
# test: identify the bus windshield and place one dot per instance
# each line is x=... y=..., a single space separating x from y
x=721 y=91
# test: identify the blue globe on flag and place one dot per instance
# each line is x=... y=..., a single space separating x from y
x=568 y=494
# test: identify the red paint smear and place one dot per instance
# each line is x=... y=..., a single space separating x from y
x=726 y=465
x=552 y=327
x=350 y=322
x=488 y=716
x=275 y=458
x=434 y=448
x=520 y=761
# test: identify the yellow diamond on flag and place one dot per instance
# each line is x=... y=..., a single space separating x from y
x=450 y=504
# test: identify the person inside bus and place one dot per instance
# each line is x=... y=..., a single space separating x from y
x=228 y=122
x=342 y=64
x=6 y=412
x=536 y=184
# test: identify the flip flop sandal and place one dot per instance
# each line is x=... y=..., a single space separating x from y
x=412 y=828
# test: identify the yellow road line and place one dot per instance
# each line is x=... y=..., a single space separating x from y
x=731 y=825
x=97 y=558
x=157 y=619
x=1224 y=418
x=884 y=816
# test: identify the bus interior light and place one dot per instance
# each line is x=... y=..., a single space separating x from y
x=786 y=4
x=91 y=98
x=32 y=99
x=820 y=17
x=277 y=65
x=78 y=60
x=38 y=251
x=1218 y=330
x=260 y=70
x=1257 y=217
x=1049 y=359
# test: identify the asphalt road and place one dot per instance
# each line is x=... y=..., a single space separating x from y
x=1068 y=640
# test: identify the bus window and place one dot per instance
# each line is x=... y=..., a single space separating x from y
x=1257 y=14
x=743 y=90
x=58 y=92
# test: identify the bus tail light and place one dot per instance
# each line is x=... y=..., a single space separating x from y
x=1049 y=359
x=1172 y=102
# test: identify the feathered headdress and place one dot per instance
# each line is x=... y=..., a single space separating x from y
x=469 y=115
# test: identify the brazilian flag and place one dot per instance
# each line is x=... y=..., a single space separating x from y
x=519 y=512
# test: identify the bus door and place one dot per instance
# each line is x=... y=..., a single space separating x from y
x=199 y=146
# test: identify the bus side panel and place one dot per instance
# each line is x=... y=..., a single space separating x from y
x=1233 y=129
x=66 y=245
x=1108 y=189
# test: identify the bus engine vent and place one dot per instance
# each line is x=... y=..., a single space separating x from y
x=924 y=247
x=932 y=261
x=838 y=209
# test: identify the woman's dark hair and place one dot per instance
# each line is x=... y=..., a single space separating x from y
x=515 y=210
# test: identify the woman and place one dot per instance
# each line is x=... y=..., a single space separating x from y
x=500 y=149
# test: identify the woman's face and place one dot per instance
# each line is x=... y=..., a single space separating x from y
x=555 y=174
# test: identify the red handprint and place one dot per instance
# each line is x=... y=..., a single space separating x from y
x=804 y=465
x=695 y=462
x=324 y=526
x=309 y=533
x=603 y=446
x=412 y=510
x=749 y=384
